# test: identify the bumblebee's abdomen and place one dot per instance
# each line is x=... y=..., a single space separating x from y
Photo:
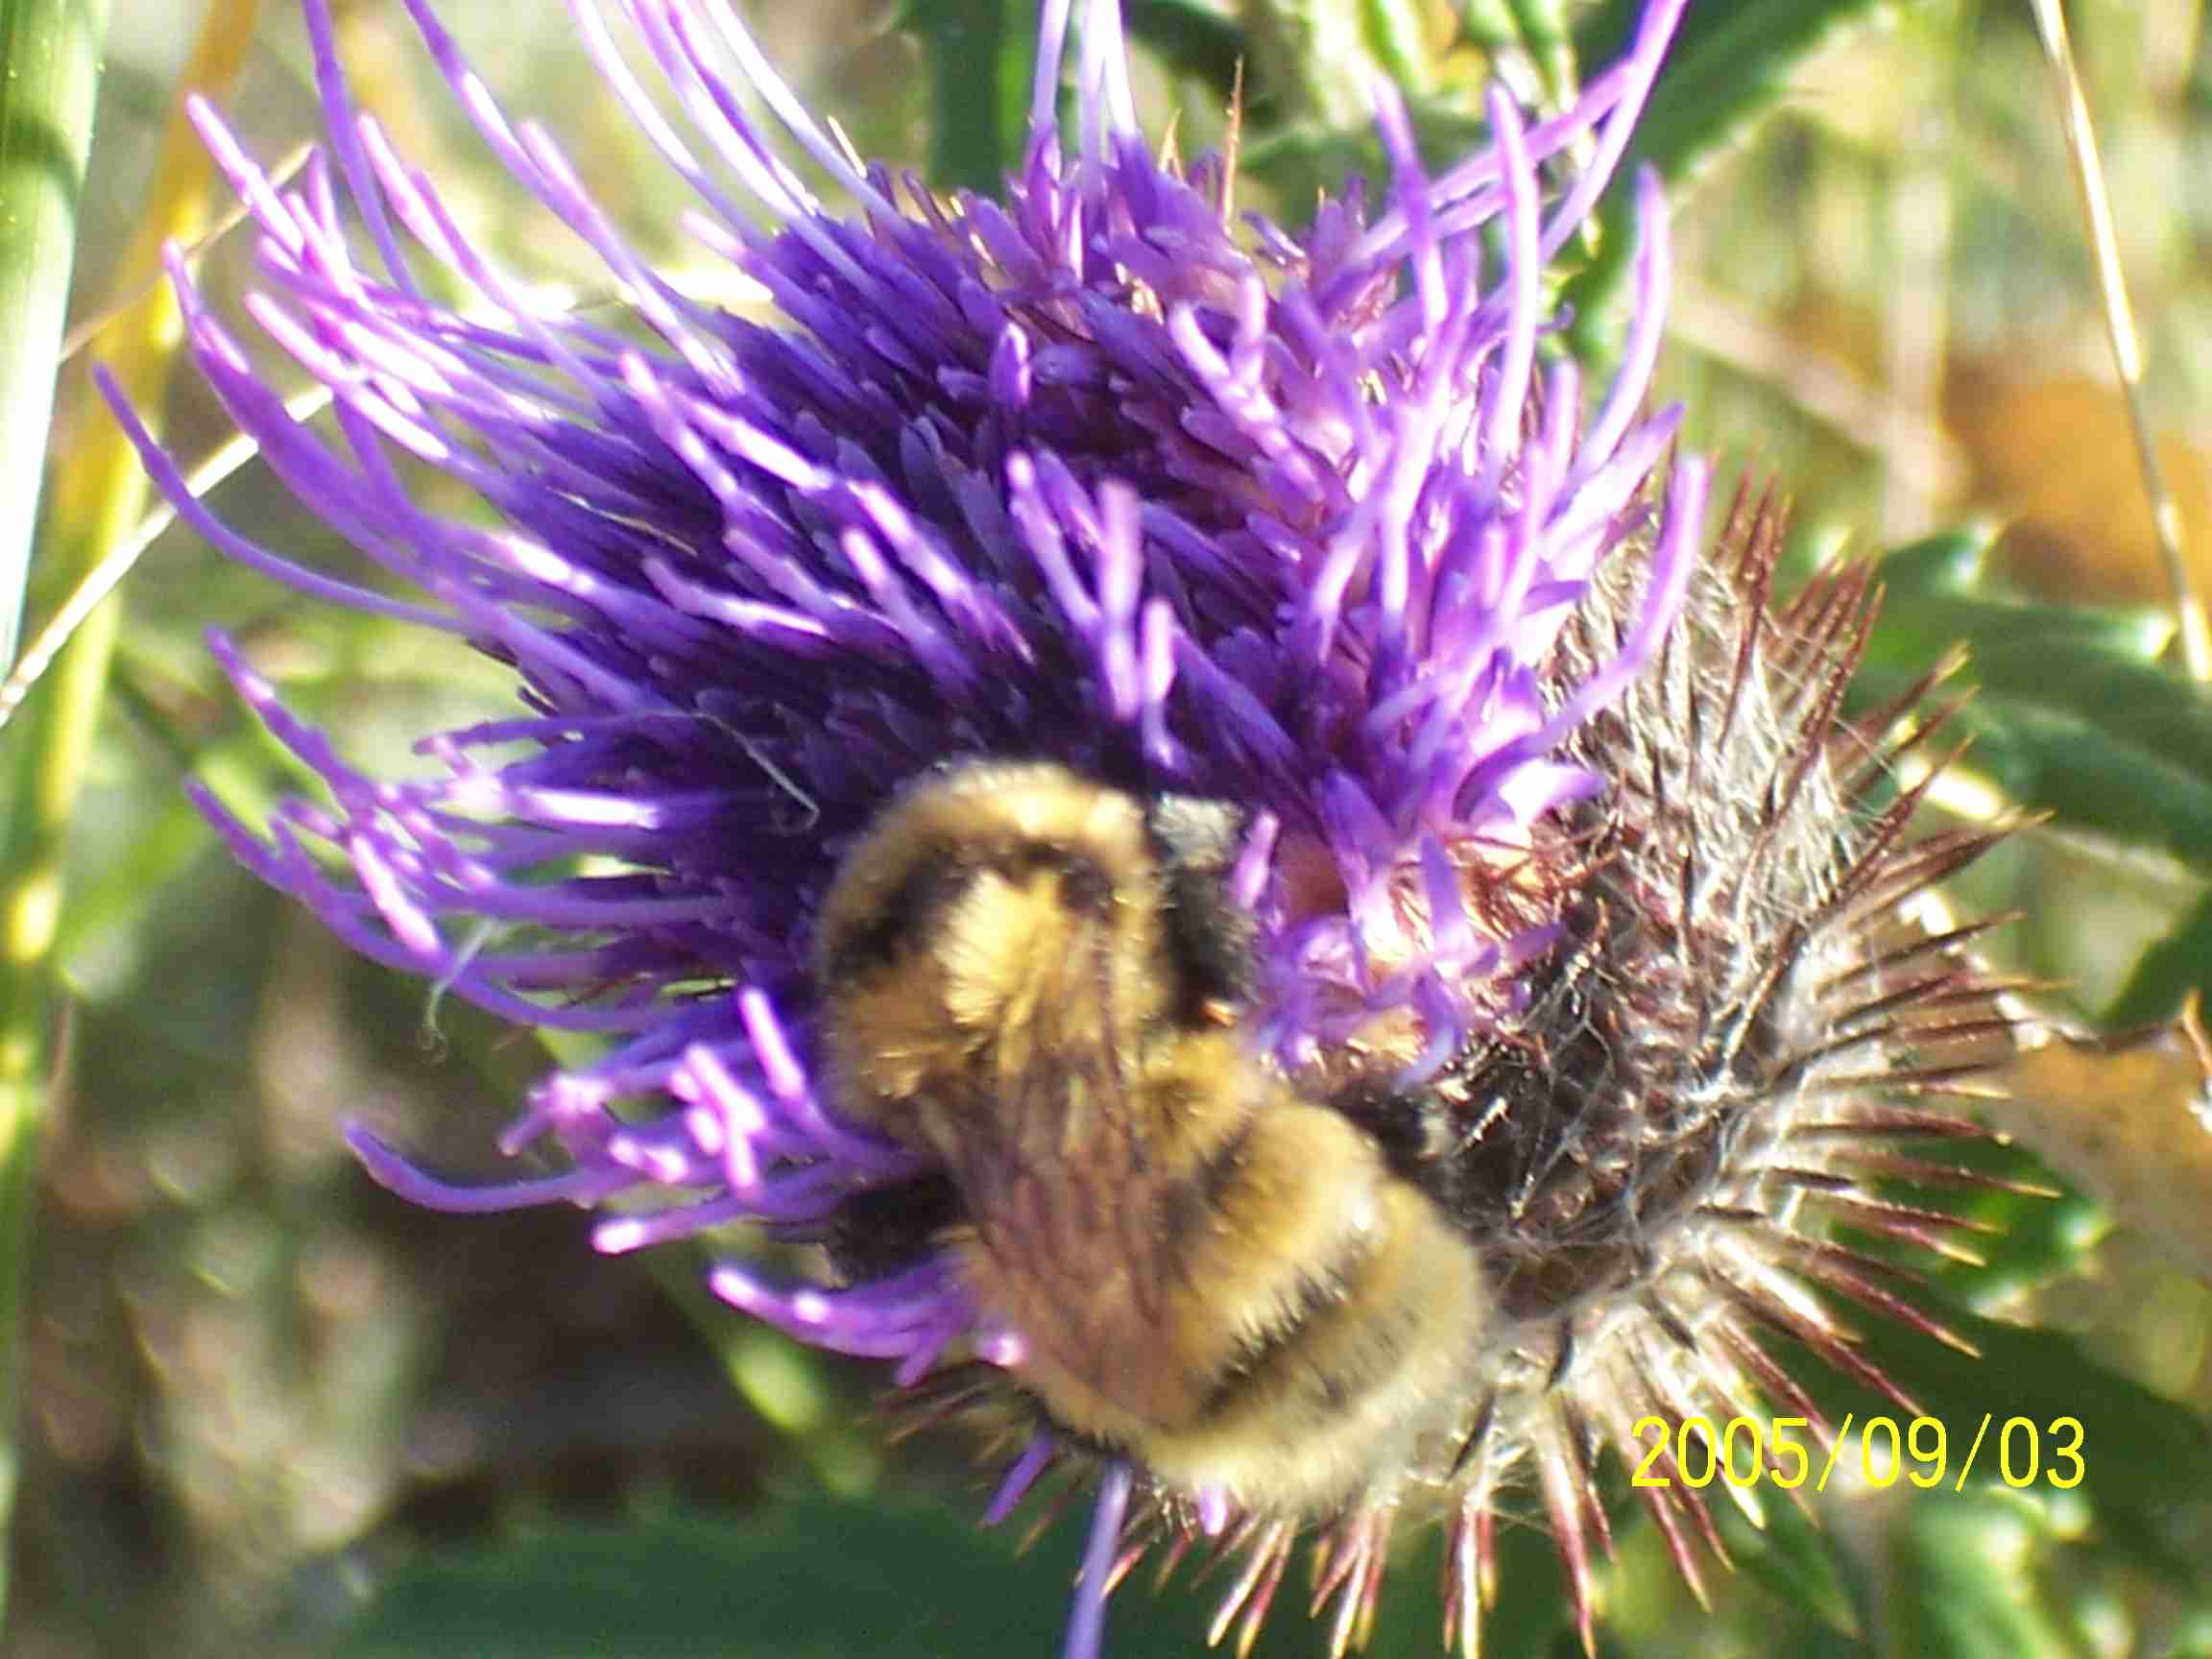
x=1365 y=1389
x=1312 y=1315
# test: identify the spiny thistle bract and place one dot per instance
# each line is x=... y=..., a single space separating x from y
x=1569 y=883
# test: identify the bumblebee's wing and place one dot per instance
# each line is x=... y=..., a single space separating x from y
x=1064 y=1181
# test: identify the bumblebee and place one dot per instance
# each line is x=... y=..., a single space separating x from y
x=1038 y=980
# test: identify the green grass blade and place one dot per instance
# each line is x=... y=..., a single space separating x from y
x=51 y=52
x=99 y=498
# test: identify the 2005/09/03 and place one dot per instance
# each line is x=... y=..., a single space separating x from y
x=1691 y=1453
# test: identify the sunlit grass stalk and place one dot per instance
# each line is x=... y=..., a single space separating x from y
x=99 y=498
x=2194 y=630
x=51 y=52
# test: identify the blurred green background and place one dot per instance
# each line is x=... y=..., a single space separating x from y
x=267 y=1409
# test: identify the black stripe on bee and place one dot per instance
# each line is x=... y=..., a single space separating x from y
x=1193 y=1201
x=1319 y=1290
x=884 y=1230
x=1209 y=937
x=909 y=915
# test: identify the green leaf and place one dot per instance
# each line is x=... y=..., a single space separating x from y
x=2073 y=767
x=1937 y=593
x=2072 y=712
x=1962 y=1582
x=1792 y=1559
x=811 y=1582
x=1728 y=66
x=2029 y=1240
x=2174 y=966
x=1191 y=39
x=1948 y=562
x=979 y=54
x=821 y=1580
x=1536 y=28
x=2146 y=1462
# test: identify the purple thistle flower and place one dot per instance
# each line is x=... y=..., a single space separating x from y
x=1297 y=521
